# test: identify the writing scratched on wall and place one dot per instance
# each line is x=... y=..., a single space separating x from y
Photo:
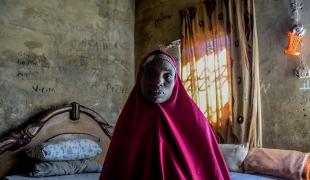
x=32 y=66
x=32 y=59
x=87 y=44
x=35 y=73
x=115 y=89
x=27 y=74
x=42 y=89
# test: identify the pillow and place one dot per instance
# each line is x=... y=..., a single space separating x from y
x=288 y=164
x=74 y=149
x=234 y=155
x=57 y=168
x=305 y=174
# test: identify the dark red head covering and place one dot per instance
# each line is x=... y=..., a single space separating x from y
x=172 y=140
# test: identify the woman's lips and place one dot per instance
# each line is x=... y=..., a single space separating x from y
x=156 y=93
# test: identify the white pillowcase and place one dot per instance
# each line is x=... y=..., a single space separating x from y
x=73 y=149
x=234 y=155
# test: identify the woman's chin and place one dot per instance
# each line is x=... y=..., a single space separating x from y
x=155 y=99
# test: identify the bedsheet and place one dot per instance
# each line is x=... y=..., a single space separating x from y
x=95 y=176
x=82 y=176
x=243 y=176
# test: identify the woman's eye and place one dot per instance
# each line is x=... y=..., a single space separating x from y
x=169 y=77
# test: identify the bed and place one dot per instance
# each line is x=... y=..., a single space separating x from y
x=75 y=120
x=85 y=176
x=72 y=120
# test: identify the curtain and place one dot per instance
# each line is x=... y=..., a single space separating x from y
x=220 y=67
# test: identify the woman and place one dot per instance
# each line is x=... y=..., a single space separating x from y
x=161 y=133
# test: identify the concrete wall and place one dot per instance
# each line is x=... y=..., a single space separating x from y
x=157 y=24
x=56 y=52
x=286 y=111
x=285 y=108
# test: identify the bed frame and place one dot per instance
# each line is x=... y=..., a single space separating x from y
x=70 y=119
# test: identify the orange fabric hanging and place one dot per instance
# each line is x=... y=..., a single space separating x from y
x=294 y=44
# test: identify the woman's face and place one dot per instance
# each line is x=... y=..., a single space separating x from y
x=157 y=81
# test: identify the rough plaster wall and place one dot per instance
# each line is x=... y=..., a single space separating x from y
x=285 y=108
x=157 y=24
x=56 y=52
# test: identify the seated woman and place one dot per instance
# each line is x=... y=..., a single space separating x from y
x=161 y=133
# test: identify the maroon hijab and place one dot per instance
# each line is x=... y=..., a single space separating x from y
x=172 y=140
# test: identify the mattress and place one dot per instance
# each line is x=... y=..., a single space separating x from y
x=95 y=176
x=243 y=176
x=82 y=176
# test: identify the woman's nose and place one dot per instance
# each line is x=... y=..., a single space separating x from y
x=159 y=81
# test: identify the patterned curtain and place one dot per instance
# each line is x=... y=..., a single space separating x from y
x=219 y=67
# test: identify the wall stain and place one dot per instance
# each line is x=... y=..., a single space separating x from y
x=31 y=45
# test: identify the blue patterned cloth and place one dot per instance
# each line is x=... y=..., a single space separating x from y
x=243 y=176
x=65 y=150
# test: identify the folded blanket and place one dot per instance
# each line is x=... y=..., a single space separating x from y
x=57 y=168
x=287 y=164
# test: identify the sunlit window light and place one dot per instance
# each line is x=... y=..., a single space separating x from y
x=212 y=75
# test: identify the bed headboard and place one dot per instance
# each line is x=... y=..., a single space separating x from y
x=71 y=119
